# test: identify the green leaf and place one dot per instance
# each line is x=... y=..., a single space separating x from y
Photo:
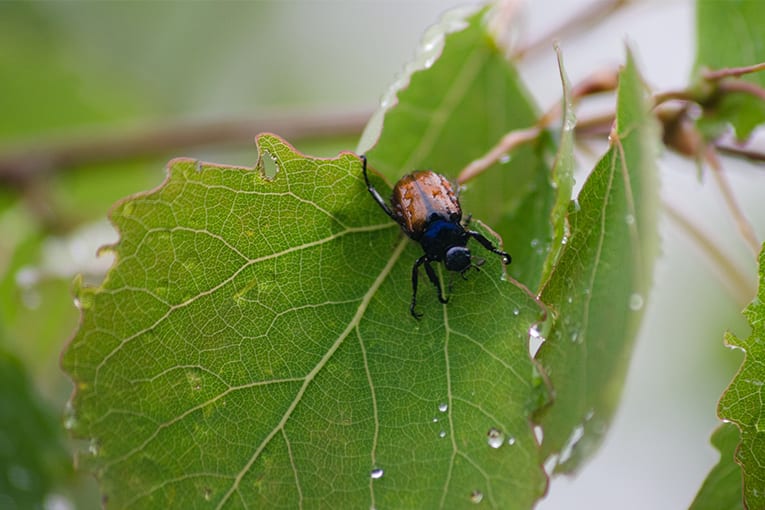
x=453 y=112
x=32 y=453
x=598 y=289
x=729 y=34
x=722 y=488
x=741 y=402
x=562 y=173
x=252 y=346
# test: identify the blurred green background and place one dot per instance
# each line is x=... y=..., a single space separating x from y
x=73 y=73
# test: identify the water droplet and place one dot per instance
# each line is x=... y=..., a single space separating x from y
x=70 y=420
x=534 y=243
x=636 y=302
x=27 y=277
x=568 y=448
x=435 y=420
x=629 y=219
x=19 y=477
x=539 y=433
x=94 y=447
x=511 y=440
x=575 y=336
x=442 y=434
x=57 y=502
x=376 y=473
x=443 y=407
x=564 y=240
x=207 y=493
x=535 y=339
x=476 y=496
x=516 y=311
x=505 y=159
x=495 y=438
x=31 y=299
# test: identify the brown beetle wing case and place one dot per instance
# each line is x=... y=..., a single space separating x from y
x=420 y=195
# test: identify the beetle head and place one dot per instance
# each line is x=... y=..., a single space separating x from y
x=457 y=258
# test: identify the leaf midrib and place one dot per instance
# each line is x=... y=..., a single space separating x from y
x=319 y=366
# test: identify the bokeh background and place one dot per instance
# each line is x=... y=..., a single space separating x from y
x=82 y=71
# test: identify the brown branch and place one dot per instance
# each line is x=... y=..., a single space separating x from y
x=743 y=87
x=588 y=17
x=735 y=149
x=506 y=144
x=739 y=218
x=735 y=72
x=35 y=158
x=740 y=286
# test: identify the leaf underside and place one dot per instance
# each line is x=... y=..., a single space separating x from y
x=722 y=490
x=598 y=288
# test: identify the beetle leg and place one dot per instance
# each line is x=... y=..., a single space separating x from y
x=375 y=194
x=415 y=271
x=434 y=281
x=506 y=258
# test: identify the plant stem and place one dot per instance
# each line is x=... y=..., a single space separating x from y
x=506 y=144
x=739 y=285
x=742 y=223
x=719 y=74
x=588 y=17
x=35 y=158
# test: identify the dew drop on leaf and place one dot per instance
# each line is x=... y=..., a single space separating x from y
x=495 y=438
x=476 y=496
x=376 y=473
x=94 y=447
x=539 y=433
x=443 y=407
x=70 y=420
x=636 y=302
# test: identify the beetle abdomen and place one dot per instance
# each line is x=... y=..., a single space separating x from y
x=422 y=197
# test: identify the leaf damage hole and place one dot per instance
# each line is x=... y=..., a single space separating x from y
x=269 y=164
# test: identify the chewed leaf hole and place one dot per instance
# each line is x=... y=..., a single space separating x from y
x=269 y=164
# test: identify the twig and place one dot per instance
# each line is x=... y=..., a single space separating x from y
x=740 y=286
x=507 y=143
x=743 y=225
x=588 y=17
x=735 y=149
x=735 y=72
x=35 y=158
x=743 y=87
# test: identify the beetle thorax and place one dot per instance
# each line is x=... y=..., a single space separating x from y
x=439 y=236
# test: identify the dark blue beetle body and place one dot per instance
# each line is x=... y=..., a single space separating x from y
x=426 y=207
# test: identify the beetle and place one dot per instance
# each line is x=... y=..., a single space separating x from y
x=428 y=210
